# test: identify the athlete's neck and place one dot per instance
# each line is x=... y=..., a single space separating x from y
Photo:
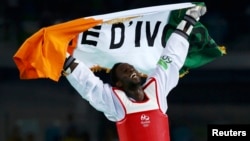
x=136 y=94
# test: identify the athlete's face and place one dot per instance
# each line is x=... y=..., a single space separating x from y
x=127 y=75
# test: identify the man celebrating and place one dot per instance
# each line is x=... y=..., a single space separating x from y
x=138 y=109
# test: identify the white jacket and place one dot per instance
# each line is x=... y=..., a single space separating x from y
x=101 y=95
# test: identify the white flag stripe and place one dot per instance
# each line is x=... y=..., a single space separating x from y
x=138 y=41
x=142 y=11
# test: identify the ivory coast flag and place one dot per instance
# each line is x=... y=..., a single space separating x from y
x=135 y=36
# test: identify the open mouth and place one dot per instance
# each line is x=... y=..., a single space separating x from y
x=133 y=75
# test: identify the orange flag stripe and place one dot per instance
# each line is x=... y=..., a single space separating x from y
x=43 y=54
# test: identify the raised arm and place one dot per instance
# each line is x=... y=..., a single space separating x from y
x=175 y=53
x=92 y=89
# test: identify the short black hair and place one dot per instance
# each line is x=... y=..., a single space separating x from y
x=113 y=76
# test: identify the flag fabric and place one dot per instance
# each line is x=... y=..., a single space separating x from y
x=43 y=54
x=135 y=36
x=203 y=49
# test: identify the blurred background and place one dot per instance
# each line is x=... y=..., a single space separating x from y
x=43 y=110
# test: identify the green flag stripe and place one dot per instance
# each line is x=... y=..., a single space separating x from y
x=203 y=49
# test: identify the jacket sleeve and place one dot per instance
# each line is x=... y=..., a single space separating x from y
x=168 y=66
x=100 y=95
